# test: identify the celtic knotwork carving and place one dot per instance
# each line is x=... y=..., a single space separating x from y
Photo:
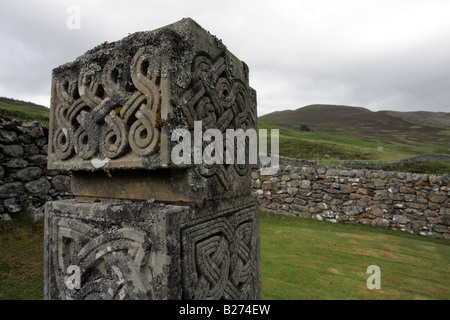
x=214 y=253
x=117 y=77
x=221 y=101
x=144 y=134
x=218 y=171
x=69 y=108
x=112 y=264
x=110 y=110
x=215 y=97
x=116 y=141
x=219 y=256
x=89 y=87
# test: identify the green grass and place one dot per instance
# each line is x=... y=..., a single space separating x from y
x=319 y=145
x=309 y=259
x=21 y=258
x=25 y=111
x=331 y=149
x=301 y=259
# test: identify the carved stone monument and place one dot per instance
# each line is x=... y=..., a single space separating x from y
x=144 y=226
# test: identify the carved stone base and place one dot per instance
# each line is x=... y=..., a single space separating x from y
x=143 y=250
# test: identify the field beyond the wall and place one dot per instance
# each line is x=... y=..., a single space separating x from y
x=301 y=259
x=304 y=259
x=23 y=110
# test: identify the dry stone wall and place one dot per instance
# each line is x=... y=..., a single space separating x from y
x=416 y=203
x=23 y=170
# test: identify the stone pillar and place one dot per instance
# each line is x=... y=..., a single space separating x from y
x=143 y=225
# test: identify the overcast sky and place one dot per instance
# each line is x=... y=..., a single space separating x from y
x=378 y=54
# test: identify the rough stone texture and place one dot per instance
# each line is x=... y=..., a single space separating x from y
x=23 y=170
x=116 y=107
x=416 y=203
x=143 y=227
x=144 y=250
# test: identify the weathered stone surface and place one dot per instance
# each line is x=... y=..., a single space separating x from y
x=352 y=210
x=40 y=186
x=380 y=222
x=304 y=184
x=34 y=129
x=438 y=198
x=19 y=164
x=164 y=185
x=27 y=174
x=113 y=112
x=12 y=205
x=8 y=137
x=388 y=199
x=9 y=190
x=5 y=217
x=16 y=163
x=14 y=150
x=117 y=105
x=31 y=149
x=39 y=160
x=61 y=183
x=376 y=211
x=144 y=250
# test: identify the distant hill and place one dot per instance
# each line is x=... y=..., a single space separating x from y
x=432 y=119
x=421 y=132
x=23 y=110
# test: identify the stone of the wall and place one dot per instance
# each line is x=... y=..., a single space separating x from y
x=416 y=203
x=23 y=170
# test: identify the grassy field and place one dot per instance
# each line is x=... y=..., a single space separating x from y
x=330 y=149
x=25 y=111
x=308 y=260
x=301 y=259
x=21 y=259
x=319 y=145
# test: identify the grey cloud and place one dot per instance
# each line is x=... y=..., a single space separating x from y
x=299 y=52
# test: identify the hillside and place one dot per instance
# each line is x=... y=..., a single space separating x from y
x=408 y=133
x=22 y=110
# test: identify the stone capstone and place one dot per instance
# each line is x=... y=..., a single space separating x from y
x=115 y=108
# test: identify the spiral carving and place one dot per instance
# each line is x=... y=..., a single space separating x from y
x=109 y=111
